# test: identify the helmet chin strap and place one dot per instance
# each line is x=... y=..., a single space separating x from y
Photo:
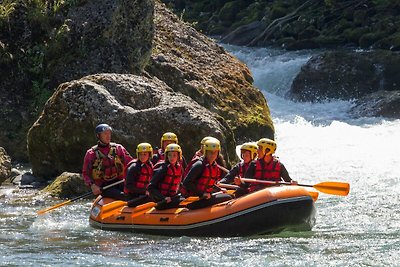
x=100 y=143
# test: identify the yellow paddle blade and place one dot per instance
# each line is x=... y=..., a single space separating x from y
x=189 y=200
x=113 y=205
x=53 y=207
x=334 y=188
x=145 y=206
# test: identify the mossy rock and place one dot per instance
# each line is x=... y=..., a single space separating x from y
x=5 y=165
x=353 y=35
x=67 y=185
x=229 y=11
x=367 y=40
x=391 y=43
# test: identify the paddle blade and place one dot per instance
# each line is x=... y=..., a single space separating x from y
x=40 y=212
x=333 y=188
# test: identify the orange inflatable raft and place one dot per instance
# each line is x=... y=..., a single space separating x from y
x=267 y=211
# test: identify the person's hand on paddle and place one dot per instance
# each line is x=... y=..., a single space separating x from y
x=293 y=182
x=167 y=200
x=95 y=189
x=237 y=181
x=206 y=196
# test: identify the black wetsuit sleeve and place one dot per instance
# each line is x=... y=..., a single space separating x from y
x=230 y=176
x=158 y=176
x=251 y=171
x=195 y=173
x=285 y=174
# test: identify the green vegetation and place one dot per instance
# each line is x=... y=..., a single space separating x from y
x=32 y=35
x=297 y=24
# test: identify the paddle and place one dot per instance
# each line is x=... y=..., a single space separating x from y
x=77 y=198
x=333 y=188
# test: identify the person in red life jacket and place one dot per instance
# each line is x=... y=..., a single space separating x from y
x=203 y=176
x=166 y=139
x=266 y=167
x=199 y=154
x=166 y=180
x=105 y=164
x=138 y=175
x=248 y=152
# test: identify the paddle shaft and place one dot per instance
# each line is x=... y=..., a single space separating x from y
x=333 y=188
x=77 y=198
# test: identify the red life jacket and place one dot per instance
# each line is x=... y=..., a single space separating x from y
x=107 y=167
x=143 y=178
x=169 y=186
x=195 y=158
x=266 y=171
x=211 y=174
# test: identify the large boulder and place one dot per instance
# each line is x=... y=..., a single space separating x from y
x=5 y=165
x=193 y=64
x=139 y=109
x=47 y=43
x=67 y=185
x=346 y=75
x=381 y=103
x=102 y=36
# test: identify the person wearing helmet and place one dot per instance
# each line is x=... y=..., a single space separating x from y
x=266 y=167
x=248 y=152
x=104 y=164
x=202 y=177
x=166 y=139
x=199 y=154
x=138 y=174
x=166 y=179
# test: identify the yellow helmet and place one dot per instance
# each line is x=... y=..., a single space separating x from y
x=252 y=147
x=265 y=143
x=144 y=147
x=207 y=138
x=211 y=144
x=169 y=137
x=174 y=148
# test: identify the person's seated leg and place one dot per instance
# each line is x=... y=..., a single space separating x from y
x=219 y=198
x=241 y=192
x=139 y=200
x=173 y=204
x=202 y=203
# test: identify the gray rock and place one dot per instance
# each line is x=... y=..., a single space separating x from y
x=139 y=109
x=28 y=180
x=194 y=65
x=67 y=185
x=85 y=37
x=381 y=103
x=5 y=165
x=346 y=75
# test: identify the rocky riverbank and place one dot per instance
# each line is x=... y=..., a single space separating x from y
x=45 y=45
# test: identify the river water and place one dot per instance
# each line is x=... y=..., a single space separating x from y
x=316 y=142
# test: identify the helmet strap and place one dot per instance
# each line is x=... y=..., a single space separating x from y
x=101 y=144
